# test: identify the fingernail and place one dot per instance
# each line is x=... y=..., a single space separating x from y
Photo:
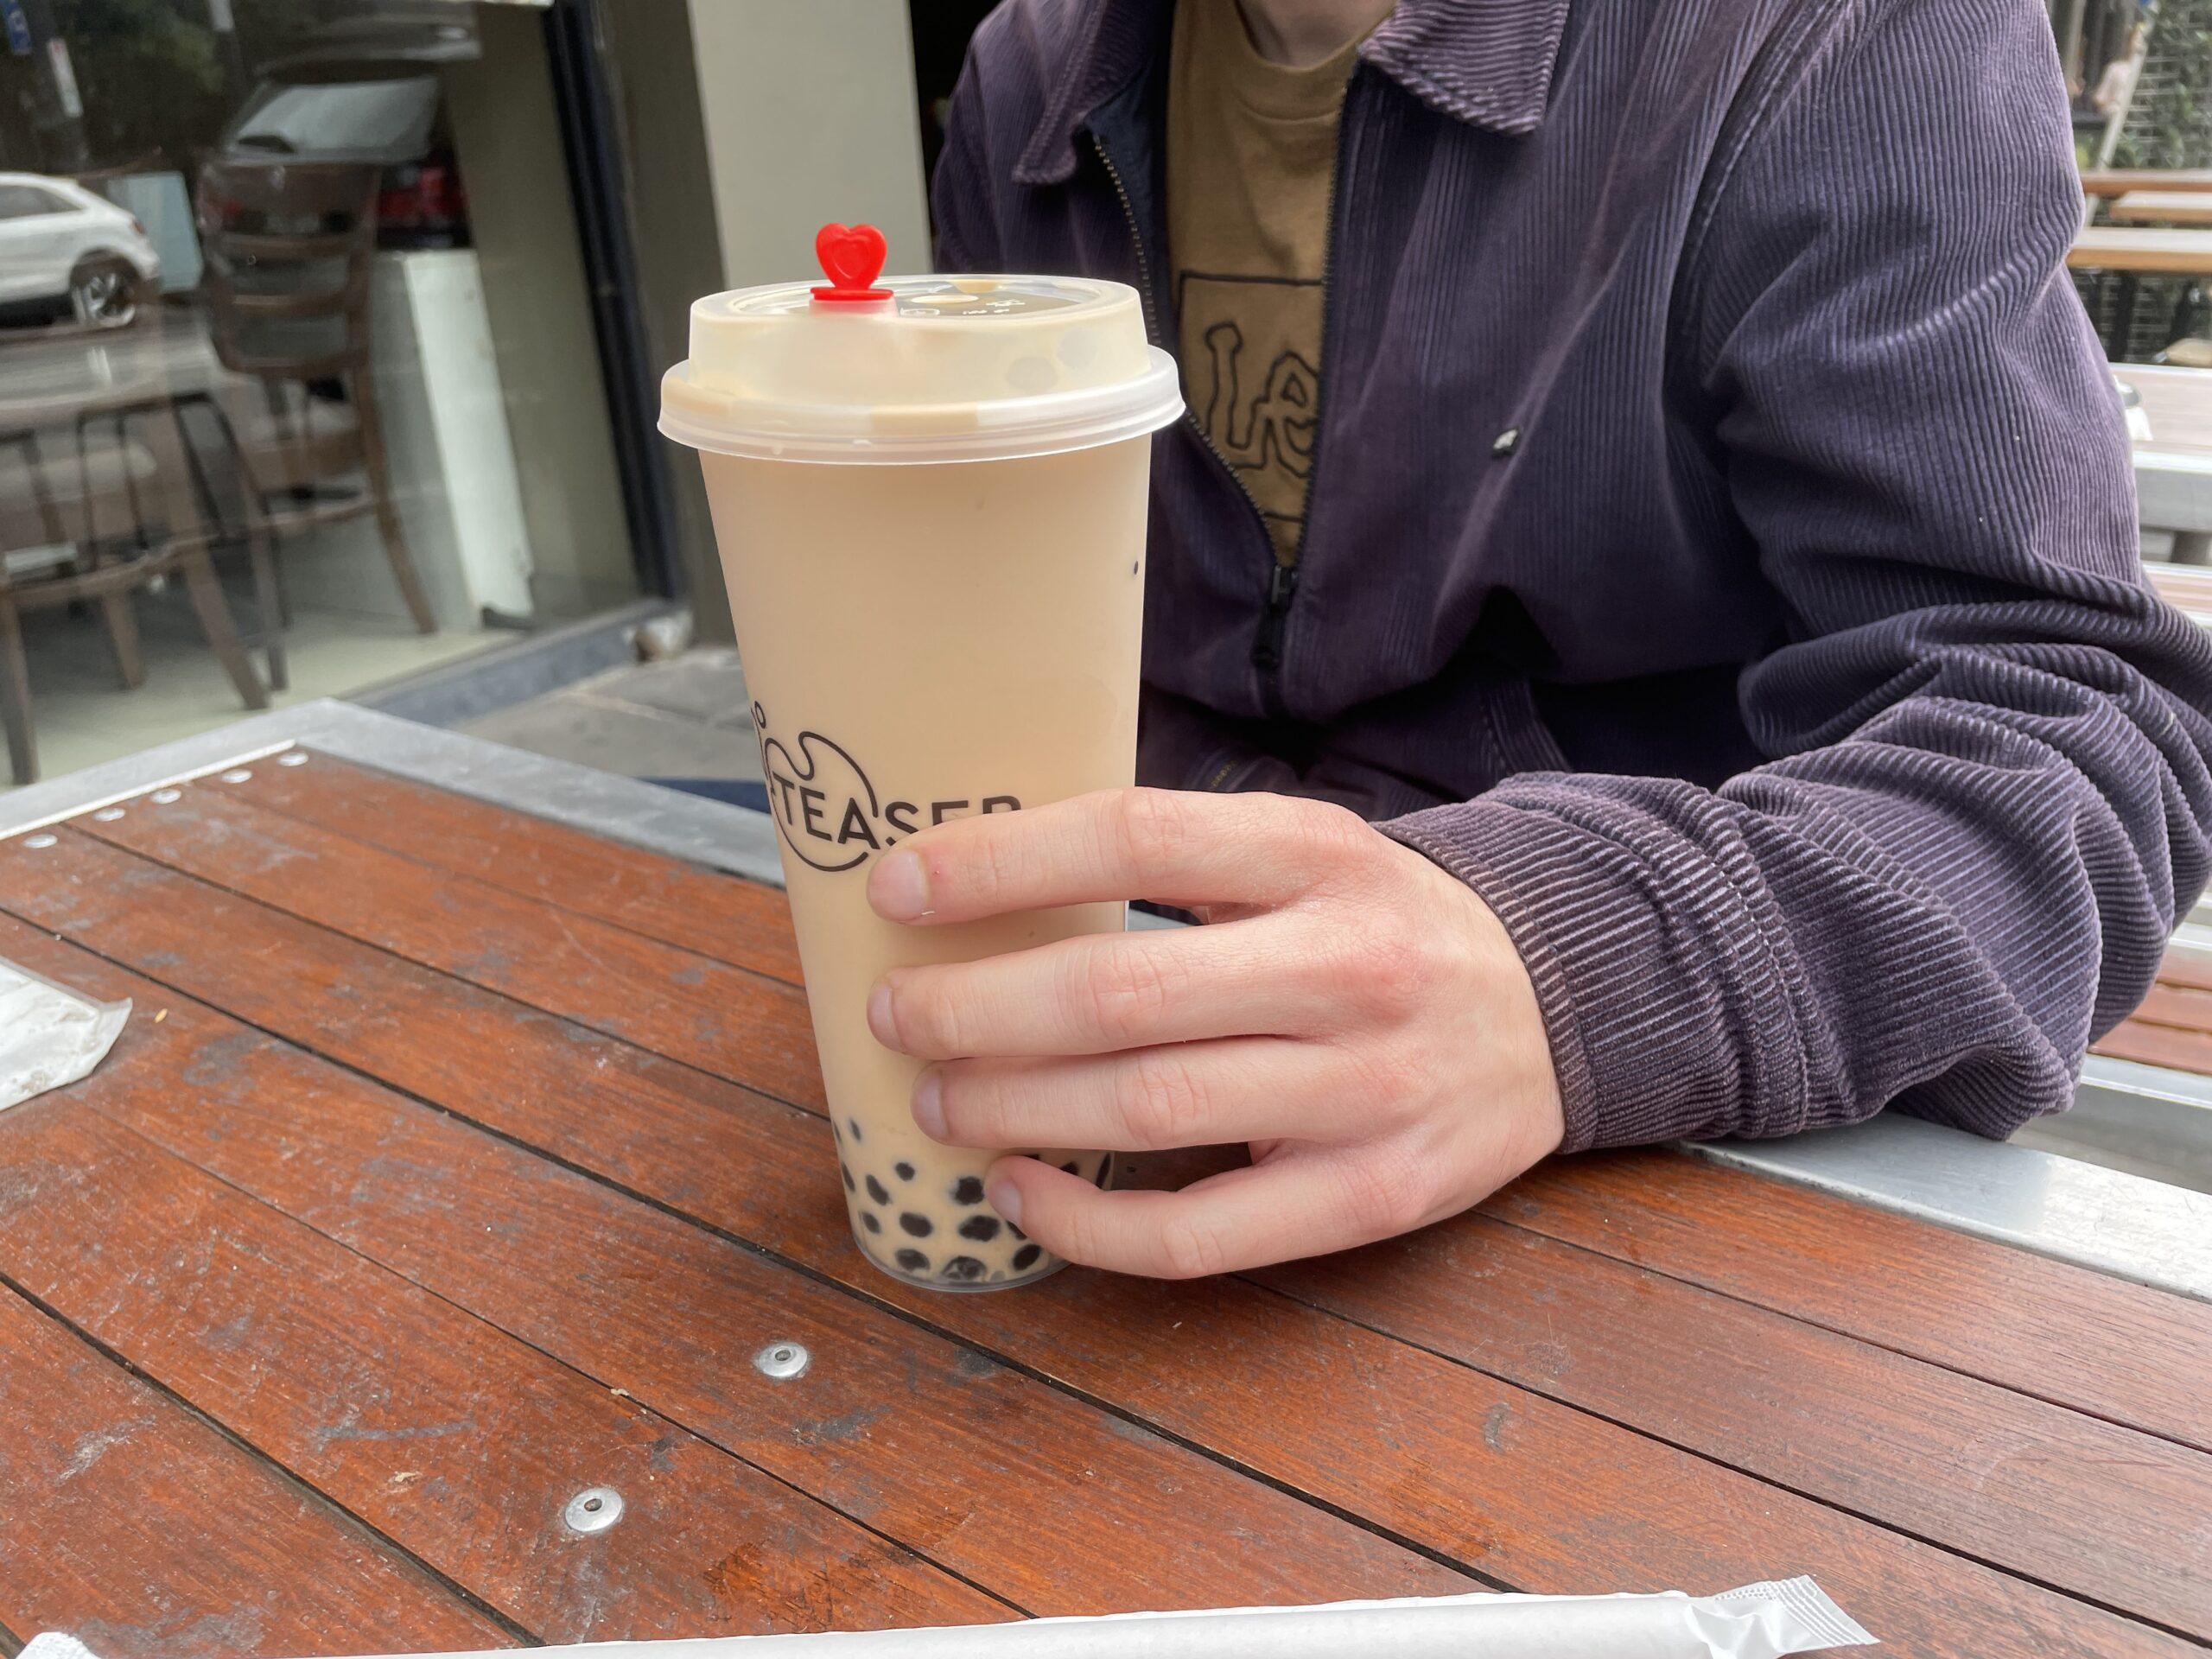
x=1005 y=1197
x=901 y=887
x=879 y=1016
x=928 y=1104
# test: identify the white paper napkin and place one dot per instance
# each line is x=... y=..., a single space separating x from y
x=49 y=1035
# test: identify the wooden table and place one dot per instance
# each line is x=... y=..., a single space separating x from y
x=2142 y=252
x=2163 y=208
x=455 y=1162
x=2119 y=182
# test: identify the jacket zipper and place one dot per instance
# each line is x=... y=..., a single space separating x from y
x=1282 y=574
x=1282 y=581
x=1271 y=619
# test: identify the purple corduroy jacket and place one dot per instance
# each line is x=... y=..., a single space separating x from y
x=1721 y=551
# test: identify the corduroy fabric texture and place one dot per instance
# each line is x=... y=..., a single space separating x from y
x=1720 y=546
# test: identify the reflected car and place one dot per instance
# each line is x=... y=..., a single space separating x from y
x=65 y=250
x=366 y=91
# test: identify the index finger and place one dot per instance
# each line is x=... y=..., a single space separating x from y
x=1177 y=846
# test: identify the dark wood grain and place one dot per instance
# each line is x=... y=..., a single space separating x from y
x=2108 y=1512
x=134 y=1525
x=706 y=1013
x=454 y=1440
x=714 y=914
x=1532 y=1492
x=2046 y=1328
x=1035 y=1496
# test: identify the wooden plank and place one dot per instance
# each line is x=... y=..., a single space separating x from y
x=2181 y=1006
x=2171 y=253
x=137 y=1527
x=2162 y=207
x=2118 y=182
x=2186 y=969
x=2058 y=1360
x=2106 y=1512
x=706 y=911
x=2149 y=1045
x=1526 y=1491
x=2046 y=1328
x=456 y=1441
x=706 y=1013
x=1057 y=1506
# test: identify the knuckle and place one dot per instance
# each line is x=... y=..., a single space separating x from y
x=1329 y=832
x=1161 y=1102
x=1149 y=826
x=1190 y=1249
x=1384 y=1193
x=1125 y=991
x=1389 y=974
x=926 y=1019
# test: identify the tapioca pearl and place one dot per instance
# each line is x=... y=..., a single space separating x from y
x=1015 y=1230
x=982 y=1229
x=903 y=1170
x=912 y=1261
x=917 y=1226
x=869 y=1220
x=877 y=1191
x=854 y=1124
x=961 y=1269
x=1027 y=1257
x=850 y=1185
x=969 y=1189
x=1070 y=1167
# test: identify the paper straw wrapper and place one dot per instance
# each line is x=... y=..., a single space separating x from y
x=1760 y=1621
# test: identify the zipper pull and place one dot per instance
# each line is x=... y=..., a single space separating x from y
x=1282 y=587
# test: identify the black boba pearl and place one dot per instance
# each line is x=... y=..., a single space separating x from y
x=875 y=1190
x=1070 y=1167
x=982 y=1229
x=854 y=1124
x=969 y=1189
x=912 y=1261
x=868 y=1220
x=1015 y=1230
x=961 y=1269
x=846 y=1173
x=917 y=1225
x=1025 y=1257
x=904 y=1170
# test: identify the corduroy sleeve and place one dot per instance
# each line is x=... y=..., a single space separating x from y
x=1988 y=791
x=960 y=190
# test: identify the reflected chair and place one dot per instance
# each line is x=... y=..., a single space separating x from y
x=289 y=251
x=125 y=517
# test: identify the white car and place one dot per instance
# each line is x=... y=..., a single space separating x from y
x=61 y=246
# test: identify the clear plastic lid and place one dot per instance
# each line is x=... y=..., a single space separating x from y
x=918 y=369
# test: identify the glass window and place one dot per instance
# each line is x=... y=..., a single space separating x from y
x=333 y=323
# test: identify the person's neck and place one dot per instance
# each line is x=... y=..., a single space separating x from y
x=1300 y=32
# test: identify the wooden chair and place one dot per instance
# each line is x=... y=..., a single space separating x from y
x=130 y=517
x=289 y=250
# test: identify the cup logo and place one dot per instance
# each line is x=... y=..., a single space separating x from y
x=827 y=810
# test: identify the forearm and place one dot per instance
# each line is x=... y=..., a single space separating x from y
x=1937 y=911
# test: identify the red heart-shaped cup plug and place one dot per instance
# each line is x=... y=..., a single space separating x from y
x=851 y=257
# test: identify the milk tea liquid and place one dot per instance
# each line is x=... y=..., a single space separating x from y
x=928 y=639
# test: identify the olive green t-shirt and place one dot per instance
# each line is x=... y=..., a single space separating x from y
x=1251 y=160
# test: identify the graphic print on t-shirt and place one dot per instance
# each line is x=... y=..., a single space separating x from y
x=1252 y=388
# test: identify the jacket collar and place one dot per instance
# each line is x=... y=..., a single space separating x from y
x=1488 y=62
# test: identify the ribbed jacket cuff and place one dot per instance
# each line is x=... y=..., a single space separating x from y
x=1666 y=1015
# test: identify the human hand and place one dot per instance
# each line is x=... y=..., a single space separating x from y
x=1355 y=1014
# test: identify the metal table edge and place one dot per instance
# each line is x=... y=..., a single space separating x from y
x=2126 y=1225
